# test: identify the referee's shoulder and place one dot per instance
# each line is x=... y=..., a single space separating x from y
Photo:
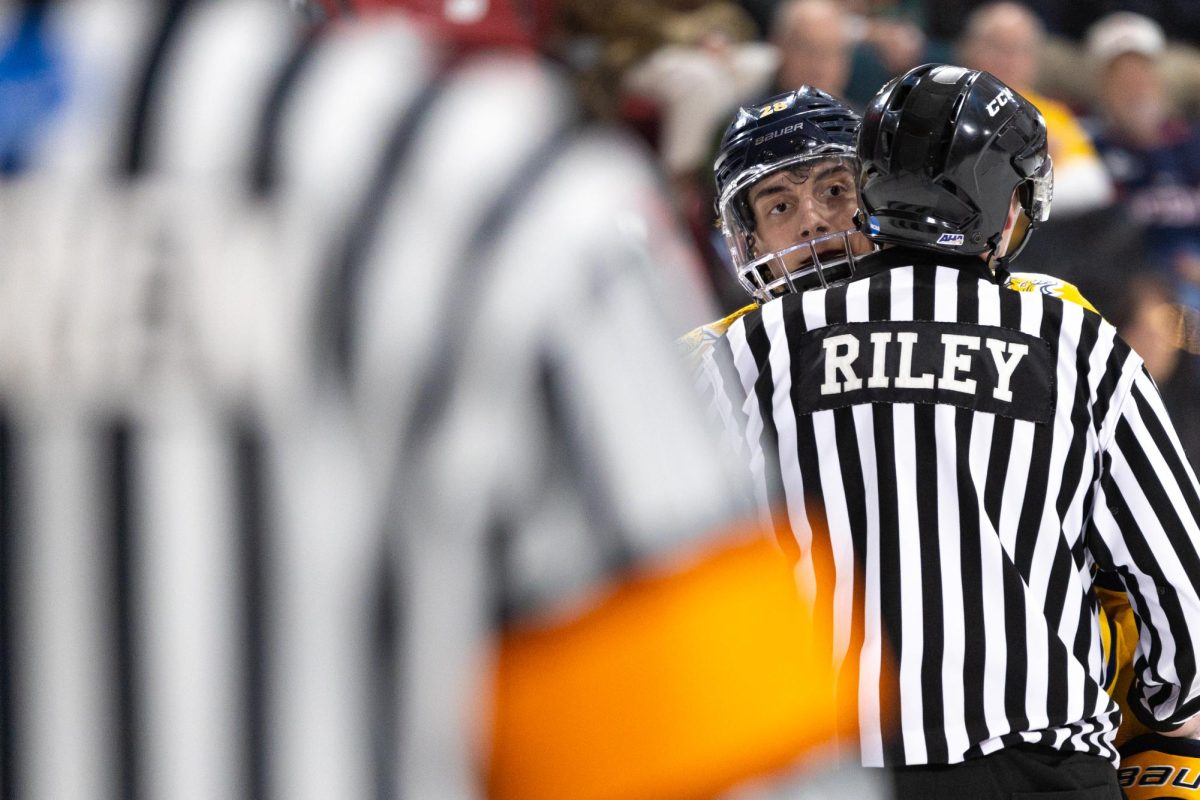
x=1048 y=286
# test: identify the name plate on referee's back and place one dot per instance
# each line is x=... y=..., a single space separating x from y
x=980 y=367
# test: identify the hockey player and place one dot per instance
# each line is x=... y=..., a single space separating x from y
x=786 y=197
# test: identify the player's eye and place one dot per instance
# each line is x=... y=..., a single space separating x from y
x=779 y=208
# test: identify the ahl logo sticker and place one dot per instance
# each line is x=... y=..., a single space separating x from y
x=951 y=239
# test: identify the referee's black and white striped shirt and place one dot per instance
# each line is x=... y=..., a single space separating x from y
x=950 y=461
x=329 y=370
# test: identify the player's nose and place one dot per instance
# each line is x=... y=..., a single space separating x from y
x=812 y=220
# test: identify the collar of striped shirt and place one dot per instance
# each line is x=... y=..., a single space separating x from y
x=894 y=257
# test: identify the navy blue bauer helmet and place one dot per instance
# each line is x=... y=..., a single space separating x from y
x=794 y=131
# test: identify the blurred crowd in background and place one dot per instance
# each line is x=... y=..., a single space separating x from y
x=1118 y=82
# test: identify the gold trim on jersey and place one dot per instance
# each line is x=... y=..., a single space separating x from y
x=698 y=339
x=1048 y=285
x=1118 y=637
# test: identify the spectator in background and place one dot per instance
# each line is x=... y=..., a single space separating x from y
x=814 y=42
x=945 y=18
x=1072 y=18
x=1069 y=19
x=692 y=61
x=896 y=37
x=846 y=48
x=1005 y=39
x=1152 y=156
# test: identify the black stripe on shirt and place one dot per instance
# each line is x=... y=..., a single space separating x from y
x=854 y=491
x=971 y=547
x=810 y=471
x=1145 y=562
x=1106 y=388
x=572 y=454
x=1176 y=465
x=342 y=280
x=889 y=562
x=10 y=732
x=1067 y=563
x=932 y=591
x=768 y=440
x=120 y=478
x=264 y=166
x=1039 y=468
x=253 y=535
x=388 y=635
x=1017 y=673
x=137 y=144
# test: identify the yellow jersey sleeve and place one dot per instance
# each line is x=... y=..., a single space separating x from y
x=697 y=341
x=1119 y=636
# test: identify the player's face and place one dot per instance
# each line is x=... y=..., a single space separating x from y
x=802 y=203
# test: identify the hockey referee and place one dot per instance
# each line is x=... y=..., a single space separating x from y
x=958 y=458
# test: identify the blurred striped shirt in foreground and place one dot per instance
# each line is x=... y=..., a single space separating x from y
x=343 y=452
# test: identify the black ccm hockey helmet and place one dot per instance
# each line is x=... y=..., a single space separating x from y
x=783 y=132
x=942 y=149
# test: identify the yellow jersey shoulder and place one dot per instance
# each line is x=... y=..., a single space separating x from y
x=1031 y=282
x=697 y=340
